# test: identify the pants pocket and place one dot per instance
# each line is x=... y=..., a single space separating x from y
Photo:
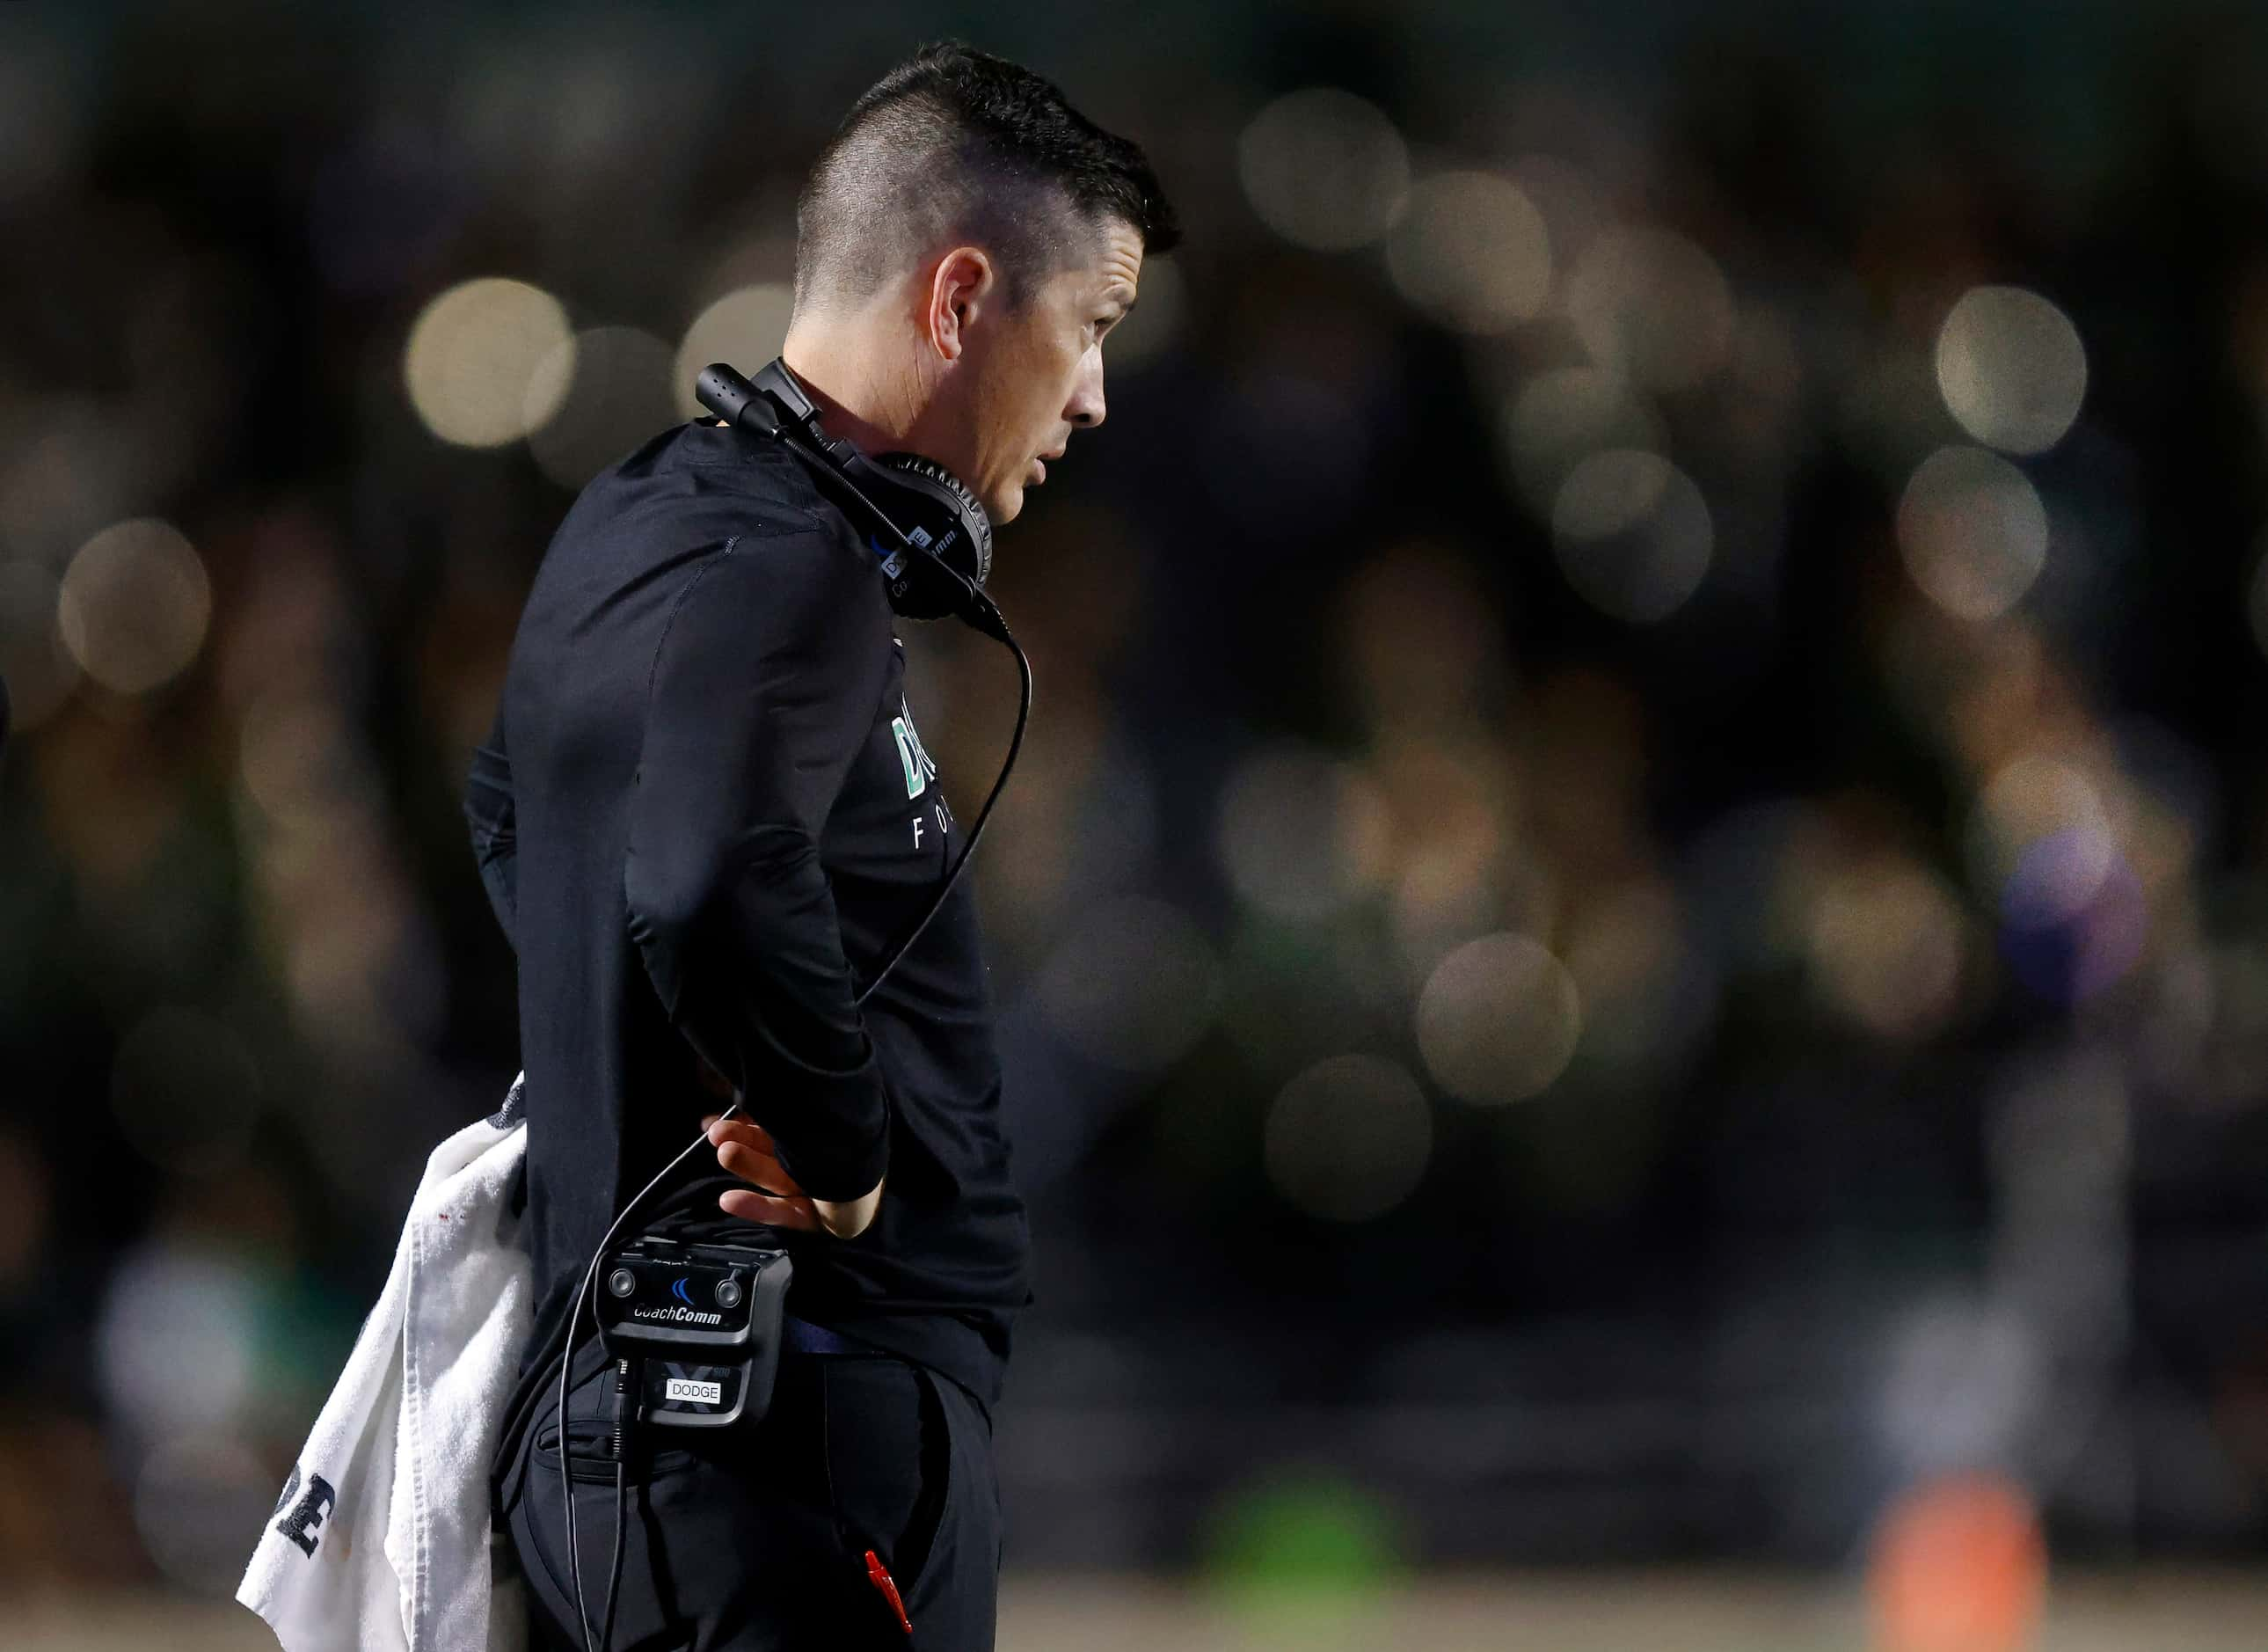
x=890 y=1477
x=643 y=1613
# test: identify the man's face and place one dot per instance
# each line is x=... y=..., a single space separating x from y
x=1036 y=370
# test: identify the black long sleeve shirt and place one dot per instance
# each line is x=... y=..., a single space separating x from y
x=704 y=818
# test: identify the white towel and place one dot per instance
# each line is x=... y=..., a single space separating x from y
x=380 y=1541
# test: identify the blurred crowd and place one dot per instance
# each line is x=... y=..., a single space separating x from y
x=1635 y=923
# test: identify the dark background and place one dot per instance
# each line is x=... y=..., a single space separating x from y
x=1633 y=929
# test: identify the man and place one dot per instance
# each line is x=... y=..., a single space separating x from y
x=704 y=817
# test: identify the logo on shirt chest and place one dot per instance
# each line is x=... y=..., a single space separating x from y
x=920 y=770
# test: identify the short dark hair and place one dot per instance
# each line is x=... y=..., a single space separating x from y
x=955 y=142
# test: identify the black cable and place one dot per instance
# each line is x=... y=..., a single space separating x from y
x=1008 y=767
x=567 y=1364
x=624 y=1412
x=614 y=1566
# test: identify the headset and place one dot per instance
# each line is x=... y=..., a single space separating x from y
x=941 y=541
x=934 y=545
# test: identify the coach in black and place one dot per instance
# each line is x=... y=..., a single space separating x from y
x=705 y=815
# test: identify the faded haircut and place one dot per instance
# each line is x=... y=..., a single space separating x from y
x=954 y=144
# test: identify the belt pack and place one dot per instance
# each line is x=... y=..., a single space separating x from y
x=702 y=1325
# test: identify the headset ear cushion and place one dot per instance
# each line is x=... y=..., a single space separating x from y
x=975 y=525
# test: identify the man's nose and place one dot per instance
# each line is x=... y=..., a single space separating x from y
x=1085 y=408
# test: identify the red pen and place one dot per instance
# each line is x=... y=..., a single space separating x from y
x=885 y=1586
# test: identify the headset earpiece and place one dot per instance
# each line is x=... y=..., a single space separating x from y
x=968 y=551
x=933 y=535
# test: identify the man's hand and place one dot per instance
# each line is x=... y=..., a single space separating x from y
x=745 y=1149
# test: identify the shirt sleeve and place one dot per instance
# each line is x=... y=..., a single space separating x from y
x=494 y=821
x=760 y=696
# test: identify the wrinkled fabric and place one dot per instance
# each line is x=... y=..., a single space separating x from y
x=381 y=1539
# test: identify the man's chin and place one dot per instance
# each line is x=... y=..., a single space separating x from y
x=1008 y=506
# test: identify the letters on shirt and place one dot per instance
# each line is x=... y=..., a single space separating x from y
x=919 y=770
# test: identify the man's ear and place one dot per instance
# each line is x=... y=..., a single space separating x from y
x=960 y=289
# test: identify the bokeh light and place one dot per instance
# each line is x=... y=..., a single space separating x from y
x=2075 y=917
x=473 y=353
x=1348 y=1138
x=1324 y=169
x=1632 y=534
x=1886 y=944
x=1958 y=1564
x=744 y=329
x=1439 y=817
x=1132 y=985
x=2035 y=793
x=1572 y=200
x=2011 y=369
x=134 y=605
x=1973 y=531
x=175 y=1341
x=1561 y=415
x=1498 y=1019
x=606 y=390
x=1302 y=1557
x=1958 y=1384
x=1651 y=305
x=1471 y=249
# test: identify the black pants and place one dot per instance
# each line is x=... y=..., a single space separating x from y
x=750 y=1539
